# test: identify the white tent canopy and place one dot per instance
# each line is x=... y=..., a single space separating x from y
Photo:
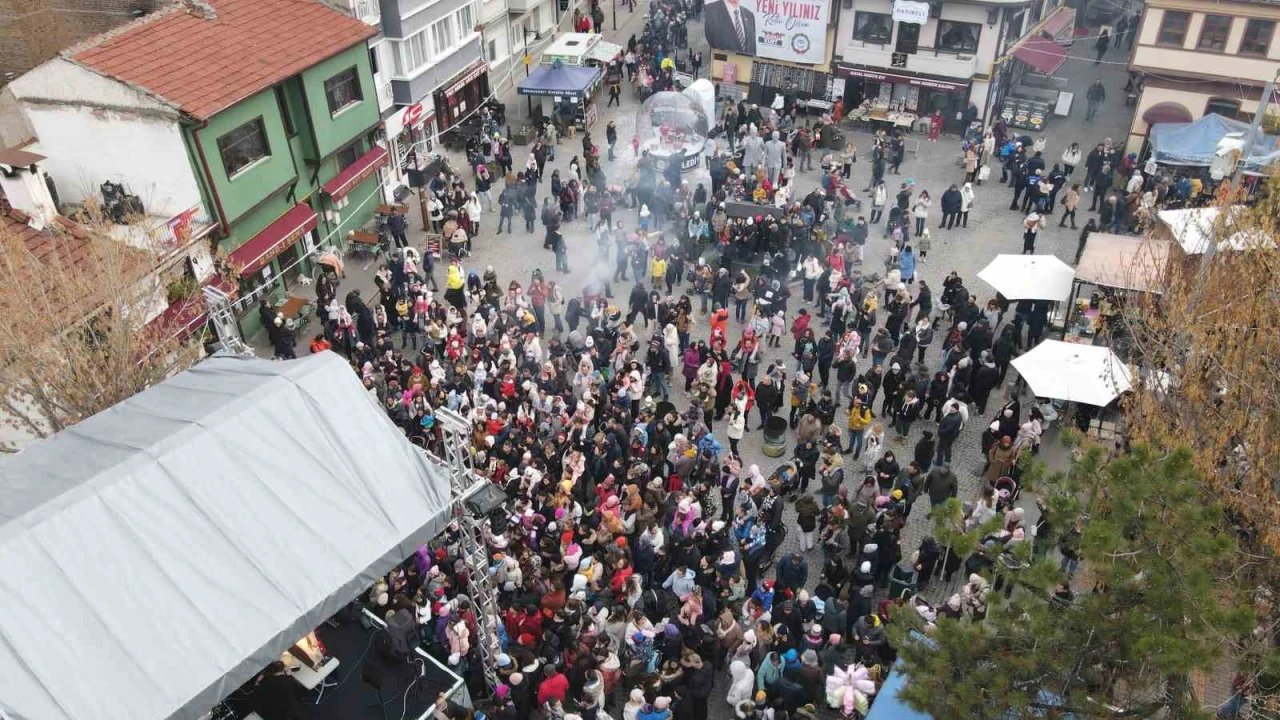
x=1088 y=374
x=1029 y=277
x=1195 y=228
x=160 y=553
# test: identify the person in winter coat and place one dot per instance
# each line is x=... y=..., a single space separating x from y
x=1001 y=457
x=807 y=512
x=966 y=203
x=737 y=420
x=907 y=265
x=792 y=573
x=952 y=204
x=941 y=485
x=924 y=450
x=741 y=684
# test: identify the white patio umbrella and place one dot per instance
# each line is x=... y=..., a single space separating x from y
x=1088 y=374
x=1029 y=277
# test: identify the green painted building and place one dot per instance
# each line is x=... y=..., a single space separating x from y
x=277 y=113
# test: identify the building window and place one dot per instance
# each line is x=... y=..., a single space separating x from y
x=442 y=36
x=342 y=90
x=283 y=104
x=872 y=27
x=243 y=146
x=373 y=61
x=1213 y=34
x=1225 y=107
x=466 y=20
x=1257 y=37
x=1173 y=28
x=958 y=37
x=412 y=54
x=348 y=155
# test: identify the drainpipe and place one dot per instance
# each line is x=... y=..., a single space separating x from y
x=315 y=145
x=208 y=177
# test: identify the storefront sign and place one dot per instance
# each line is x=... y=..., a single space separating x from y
x=469 y=75
x=908 y=11
x=730 y=73
x=791 y=30
x=895 y=78
x=413 y=114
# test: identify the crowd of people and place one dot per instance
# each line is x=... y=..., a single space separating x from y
x=640 y=558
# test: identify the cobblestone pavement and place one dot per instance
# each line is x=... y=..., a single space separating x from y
x=993 y=229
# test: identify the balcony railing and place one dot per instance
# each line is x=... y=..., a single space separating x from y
x=367 y=10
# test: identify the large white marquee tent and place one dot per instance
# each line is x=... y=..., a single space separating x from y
x=156 y=556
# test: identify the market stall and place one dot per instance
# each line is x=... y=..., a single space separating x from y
x=1110 y=268
x=565 y=91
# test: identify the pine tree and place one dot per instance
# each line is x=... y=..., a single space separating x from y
x=1153 y=603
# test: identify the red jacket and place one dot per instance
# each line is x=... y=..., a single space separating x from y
x=556 y=686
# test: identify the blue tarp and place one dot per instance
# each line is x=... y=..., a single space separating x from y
x=886 y=705
x=1196 y=142
x=563 y=80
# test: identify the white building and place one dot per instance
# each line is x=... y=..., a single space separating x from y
x=942 y=55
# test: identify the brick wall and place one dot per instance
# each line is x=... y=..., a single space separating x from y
x=32 y=31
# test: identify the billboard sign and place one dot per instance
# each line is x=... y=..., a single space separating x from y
x=790 y=30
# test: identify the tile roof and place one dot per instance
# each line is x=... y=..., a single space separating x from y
x=205 y=62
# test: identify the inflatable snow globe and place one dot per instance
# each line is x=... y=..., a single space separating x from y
x=673 y=127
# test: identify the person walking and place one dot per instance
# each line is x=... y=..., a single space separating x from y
x=920 y=211
x=1071 y=158
x=1094 y=96
x=1031 y=226
x=1103 y=42
x=1070 y=202
x=879 y=196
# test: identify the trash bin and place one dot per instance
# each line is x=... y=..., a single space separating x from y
x=775 y=436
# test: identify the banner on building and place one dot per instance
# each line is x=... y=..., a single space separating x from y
x=790 y=30
x=907 y=11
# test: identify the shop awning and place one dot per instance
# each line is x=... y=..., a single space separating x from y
x=604 y=51
x=159 y=554
x=1043 y=55
x=1060 y=25
x=356 y=173
x=565 y=80
x=274 y=239
x=1166 y=112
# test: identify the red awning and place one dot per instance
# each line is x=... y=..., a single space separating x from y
x=274 y=239
x=1044 y=56
x=180 y=319
x=356 y=173
x=1166 y=112
x=1058 y=23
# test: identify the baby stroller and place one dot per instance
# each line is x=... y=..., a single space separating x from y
x=903 y=580
x=1007 y=490
x=786 y=479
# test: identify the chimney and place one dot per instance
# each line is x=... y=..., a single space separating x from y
x=24 y=186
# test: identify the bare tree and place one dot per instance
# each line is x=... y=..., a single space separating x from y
x=1208 y=349
x=75 y=339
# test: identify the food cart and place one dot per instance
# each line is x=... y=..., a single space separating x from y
x=565 y=91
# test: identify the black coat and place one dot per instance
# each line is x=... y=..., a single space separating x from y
x=951 y=201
